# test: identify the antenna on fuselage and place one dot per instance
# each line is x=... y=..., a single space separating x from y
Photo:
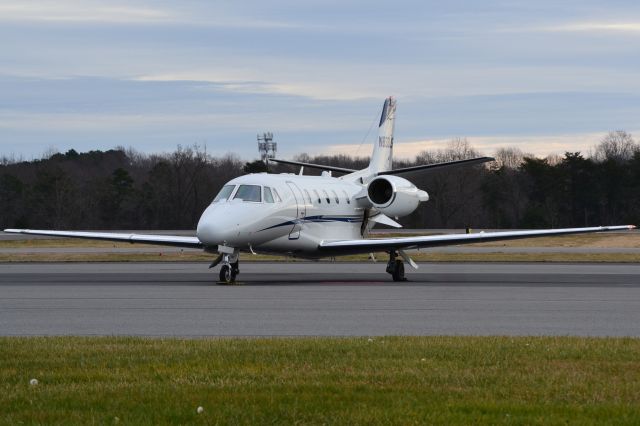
x=267 y=147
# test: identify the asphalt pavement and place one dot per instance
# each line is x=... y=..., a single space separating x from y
x=320 y=299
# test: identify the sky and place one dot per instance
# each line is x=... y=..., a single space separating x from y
x=544 y=76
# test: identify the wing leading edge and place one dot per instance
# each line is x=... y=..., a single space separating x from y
x=408 y=243
x=165 y=240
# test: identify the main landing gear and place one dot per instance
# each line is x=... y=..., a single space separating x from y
x=395 y=267
x=230 y=268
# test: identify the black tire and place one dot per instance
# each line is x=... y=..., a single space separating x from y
x=226 y=274
x=398 y=271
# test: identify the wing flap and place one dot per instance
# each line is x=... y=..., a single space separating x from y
x=165 y=240
x=368 y=245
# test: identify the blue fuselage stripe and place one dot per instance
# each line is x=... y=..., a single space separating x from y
x=323 y=219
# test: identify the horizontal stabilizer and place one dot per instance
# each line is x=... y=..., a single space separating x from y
x=313 y=166
x=438 y=166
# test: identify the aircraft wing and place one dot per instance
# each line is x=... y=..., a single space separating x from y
x=408 y=243
x=164 y=240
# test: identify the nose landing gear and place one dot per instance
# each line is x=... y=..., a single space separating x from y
x=395 y=267
x=230 y=268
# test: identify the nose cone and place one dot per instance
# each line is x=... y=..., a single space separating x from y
x=217 y=226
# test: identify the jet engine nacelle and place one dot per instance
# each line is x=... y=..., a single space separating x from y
x=394 y=196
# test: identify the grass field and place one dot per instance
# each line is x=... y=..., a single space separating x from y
x=389 y=380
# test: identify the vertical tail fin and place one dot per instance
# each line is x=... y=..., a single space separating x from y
x=382 y=157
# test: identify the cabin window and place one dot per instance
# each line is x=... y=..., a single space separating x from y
x=335 y=196
x=248 y=193
x=268 y=197
x=346 y=196
x=306 y=194
x=224 y=193
x=326 y=196
x=317 y=196
x=276 y=195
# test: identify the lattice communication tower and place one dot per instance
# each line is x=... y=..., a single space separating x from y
x=267 y=146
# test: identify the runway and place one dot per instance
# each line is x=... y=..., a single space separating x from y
x=320 y=299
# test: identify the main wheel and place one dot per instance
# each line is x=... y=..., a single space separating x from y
x=226 y=274
x=398 y=271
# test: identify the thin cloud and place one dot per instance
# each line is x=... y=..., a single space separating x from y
x=630 y=28
x=242 y=83
x=108 y=12
x=626 y=27
x=334 y=80
x=81 y=11
x=151 y=122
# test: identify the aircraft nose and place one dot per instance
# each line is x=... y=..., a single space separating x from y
x=215 y=227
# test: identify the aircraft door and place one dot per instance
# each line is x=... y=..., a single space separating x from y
x=301 y=211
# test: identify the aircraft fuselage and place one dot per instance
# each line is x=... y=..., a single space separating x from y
x=300 y=212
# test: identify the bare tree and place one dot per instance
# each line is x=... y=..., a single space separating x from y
x=618 y=146
x=49 y=152
x=553 y=159
x=509 y=157
x=456 y=149
x=12 y=158
x=505 y=194
x=454 y=193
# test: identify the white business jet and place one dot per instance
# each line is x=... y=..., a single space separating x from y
x=315 y=217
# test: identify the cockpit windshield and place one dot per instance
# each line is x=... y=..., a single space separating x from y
x=249 y=193
x=224 y=193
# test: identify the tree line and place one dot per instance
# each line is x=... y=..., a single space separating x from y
x=125 y=189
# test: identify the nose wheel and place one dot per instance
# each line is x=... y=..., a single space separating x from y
x=230 y=269
x=395 y=267
x=226 y=274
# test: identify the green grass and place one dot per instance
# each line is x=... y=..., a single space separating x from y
x=389 y=380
